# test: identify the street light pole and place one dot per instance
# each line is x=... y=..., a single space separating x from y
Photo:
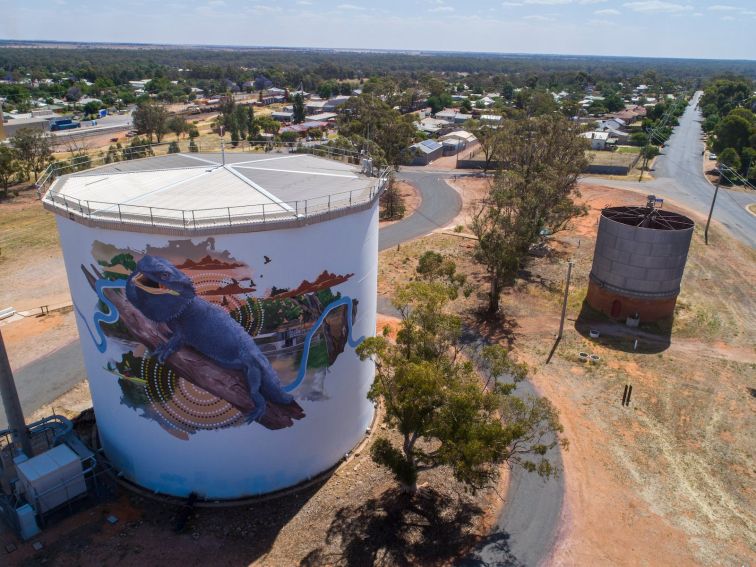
x=711 y=210
x=564 y=302
x=11 y=403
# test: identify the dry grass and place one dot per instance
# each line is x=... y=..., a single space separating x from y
x=675 y=470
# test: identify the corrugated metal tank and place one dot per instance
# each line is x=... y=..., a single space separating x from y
x=640 y=254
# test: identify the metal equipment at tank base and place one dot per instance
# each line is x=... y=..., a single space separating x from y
x=58 y=477
x=638 y=261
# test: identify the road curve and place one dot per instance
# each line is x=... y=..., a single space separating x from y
x=440 y=204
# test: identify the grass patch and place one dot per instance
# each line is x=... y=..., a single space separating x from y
x=25 y=229
x=628 y=149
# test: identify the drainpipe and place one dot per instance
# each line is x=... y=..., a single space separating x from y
x=11 y=403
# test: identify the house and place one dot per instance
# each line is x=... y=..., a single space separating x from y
x=621 y=136
x=426 y=151
x=282 y=116
x=323 y=117
x=598 y=139
x=614 y=123
x=315 y=106
x=486 y=101
x=139 y=84
x=431 y=126
x=461 y=118
x=334 y=103
x=447 y=115
x=462 y=135
x=304 y=127
x=491 y=119
x=452 y=146
x=275 y=91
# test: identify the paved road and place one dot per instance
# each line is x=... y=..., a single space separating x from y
x=526 y=528
x=440 y=204
x=679 y=177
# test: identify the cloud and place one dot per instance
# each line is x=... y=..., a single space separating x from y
x=217 y=3
x=350 y=7
x=607 y=12
x=657 y=6
x=511 y=4
x=538 y=18
x=727 y=18
x=446 y=9
x=721 y=8
x=548 y=2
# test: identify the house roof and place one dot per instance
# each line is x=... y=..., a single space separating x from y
x=428 y=146
x=460 y=135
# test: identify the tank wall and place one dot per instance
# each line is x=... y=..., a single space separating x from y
x=640 y=261
x=165 y=432
x=621 y=307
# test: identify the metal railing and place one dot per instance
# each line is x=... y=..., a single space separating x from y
x=107 y=213
x=128 y=153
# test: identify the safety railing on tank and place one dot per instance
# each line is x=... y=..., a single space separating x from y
x=214 y=217
x=126 y=153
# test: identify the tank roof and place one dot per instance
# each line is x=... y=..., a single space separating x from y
x=193 y=191
x=648 y=217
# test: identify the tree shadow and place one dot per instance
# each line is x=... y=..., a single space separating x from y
x=398 y=530
x=535 y=279
x=492 y=328
x=652 y=338
x=494 y=551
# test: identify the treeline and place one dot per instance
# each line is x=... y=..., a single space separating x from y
x=290 y=67
x=727 y=106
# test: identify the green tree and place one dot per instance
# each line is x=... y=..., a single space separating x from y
x=489 y=139
x=299 y=109
x=730 y=158
x=193 y=146
x=33 y=149
x=543 y=159
x=177 y=125
x=439 y=406
x=173 y=147
x=638 y=139
x=151 y=119
x=9 y=168
x=366 y=117
x=92 y=107
x=733 y=131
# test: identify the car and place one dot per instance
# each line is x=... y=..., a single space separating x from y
x=712 y=157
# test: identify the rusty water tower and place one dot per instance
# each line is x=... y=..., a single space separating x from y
x=638 y=261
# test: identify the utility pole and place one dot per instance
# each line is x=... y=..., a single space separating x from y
x=564 y=302
x=12 y=405
x=711 y=210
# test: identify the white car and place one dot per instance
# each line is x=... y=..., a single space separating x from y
x=713 y=157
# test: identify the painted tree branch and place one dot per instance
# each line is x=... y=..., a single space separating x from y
x=229 y=385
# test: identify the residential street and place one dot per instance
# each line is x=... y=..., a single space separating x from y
x=678 y=176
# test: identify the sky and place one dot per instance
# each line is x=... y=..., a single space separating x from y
x=650 y=28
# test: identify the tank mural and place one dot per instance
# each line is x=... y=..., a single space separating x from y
x=196 y=349
x=225 y=364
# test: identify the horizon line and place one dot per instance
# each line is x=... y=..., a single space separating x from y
x=362 y=50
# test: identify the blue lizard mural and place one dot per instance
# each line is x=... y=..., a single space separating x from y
x=164 y=294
